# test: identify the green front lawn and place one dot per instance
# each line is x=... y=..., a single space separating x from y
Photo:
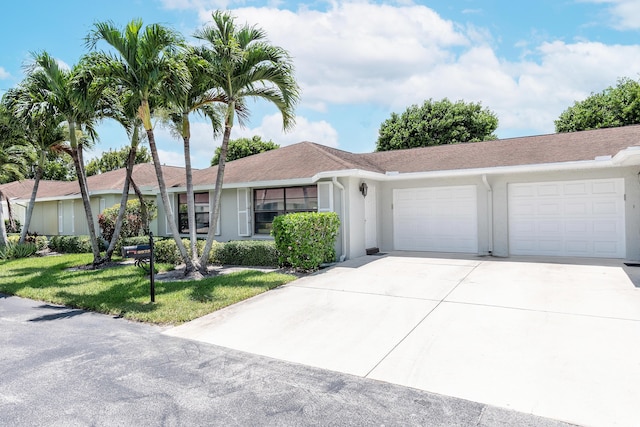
x=124 y=290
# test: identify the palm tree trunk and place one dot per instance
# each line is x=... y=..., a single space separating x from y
x=217 y=193
x=32 y=202
x=189 y=267
x=76 y=155
x=143 y=206
x=125 y=196
x=191 y=208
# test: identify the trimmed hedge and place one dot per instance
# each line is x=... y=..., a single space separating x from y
x=73 y=244
x=306 y=239
x=247 y=252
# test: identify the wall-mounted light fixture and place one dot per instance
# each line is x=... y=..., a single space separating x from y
x=363 y=189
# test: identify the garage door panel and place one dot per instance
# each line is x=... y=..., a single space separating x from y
x=584 y=218
x=441 y=219
x=548 y=190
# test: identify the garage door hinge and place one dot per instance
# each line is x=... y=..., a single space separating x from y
x=625 y=197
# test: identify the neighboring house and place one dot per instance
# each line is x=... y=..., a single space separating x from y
x=570 y=194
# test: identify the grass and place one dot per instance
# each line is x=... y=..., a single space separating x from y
x=124 y=290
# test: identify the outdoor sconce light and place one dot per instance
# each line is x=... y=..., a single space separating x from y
x=363 y=189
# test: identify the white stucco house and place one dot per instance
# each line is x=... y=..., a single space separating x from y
x=570 y=194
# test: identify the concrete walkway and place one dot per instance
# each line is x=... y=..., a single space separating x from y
x=557 y=339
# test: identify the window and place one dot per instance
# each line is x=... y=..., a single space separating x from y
x=202 y=213
x=271 y=202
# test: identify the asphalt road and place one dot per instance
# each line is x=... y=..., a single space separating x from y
x=65 y=367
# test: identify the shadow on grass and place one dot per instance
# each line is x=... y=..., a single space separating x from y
x=206 y=290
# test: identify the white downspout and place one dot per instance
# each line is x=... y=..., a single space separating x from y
x=335 y=181
x=489 y=212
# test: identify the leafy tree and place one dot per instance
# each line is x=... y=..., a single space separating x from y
x=78 y=102
x=143 y=65
x=243 y=66
x=244 y=147
x=58 y=166
x=613 y=107
x=116 y=159
x=437 y=123
x=12 y=162
x=42 y=130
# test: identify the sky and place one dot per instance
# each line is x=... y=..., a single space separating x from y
x=356 y=62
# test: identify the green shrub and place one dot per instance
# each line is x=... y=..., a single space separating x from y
x=305 y=240
x=166 y=251
x=73 y=244
x=133 y=222
x=41 y=242
x=246 y=252
x=16 y=250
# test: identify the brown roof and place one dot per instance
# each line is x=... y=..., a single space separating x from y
x=306 y=159
x=530 y=150
x=302 y=160
x=143 y=174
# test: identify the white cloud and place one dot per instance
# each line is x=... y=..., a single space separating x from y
x=4 y=74
x=359 y=53
x=270 y=128
x=625 y=14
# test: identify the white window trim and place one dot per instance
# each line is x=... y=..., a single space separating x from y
x=60 y=217
x=327 y=187
x=244 y=211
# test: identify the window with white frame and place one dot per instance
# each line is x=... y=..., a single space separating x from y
x=271 y=202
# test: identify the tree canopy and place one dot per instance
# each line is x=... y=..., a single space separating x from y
x=116 y=159
x=437 y=123
x=613 y=107
x=244 y=147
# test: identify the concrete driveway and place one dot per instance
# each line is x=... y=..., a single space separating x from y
x=557 y=339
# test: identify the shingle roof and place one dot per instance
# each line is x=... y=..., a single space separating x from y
x=143 y=174
x=302 y=160
x=530 y=150
x=306 y=159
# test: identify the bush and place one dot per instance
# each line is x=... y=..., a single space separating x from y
x=73 y=244
x=41 y=242
x=246 y=252
x=305 y=240
x=15 y=228
x=16 y=250
x=133 y=223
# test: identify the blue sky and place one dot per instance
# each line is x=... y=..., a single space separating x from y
x=358 y=61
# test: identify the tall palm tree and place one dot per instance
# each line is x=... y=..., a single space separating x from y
x=42 y=130
x=198 y=99
x=244 y=66
x=143 y=64
x=70 y=93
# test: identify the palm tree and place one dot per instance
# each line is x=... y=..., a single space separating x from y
x=12 y=160
x=42 y=131
x=143 y=64
x=71 y=94
x=244 y=66
x=198 y=99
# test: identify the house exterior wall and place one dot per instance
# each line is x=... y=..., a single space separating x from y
x=493 y=232
x=44 y=219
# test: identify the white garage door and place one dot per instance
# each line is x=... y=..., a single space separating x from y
x=438 y=219
x=568 y=218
